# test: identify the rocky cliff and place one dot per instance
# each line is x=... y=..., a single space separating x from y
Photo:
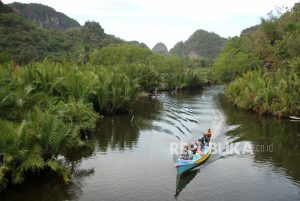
x=44 y=16
x=201 y=44
x=160 y=48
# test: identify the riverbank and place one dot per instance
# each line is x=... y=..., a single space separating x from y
x=275 y=93
x=262 y=66
x=63 y=101
x=124 y=153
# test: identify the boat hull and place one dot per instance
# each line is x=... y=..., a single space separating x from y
x=185 y=165
x=182 y=169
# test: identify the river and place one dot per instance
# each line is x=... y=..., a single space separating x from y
x=129 y=156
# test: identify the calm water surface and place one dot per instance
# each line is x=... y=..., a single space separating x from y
x=129 y=156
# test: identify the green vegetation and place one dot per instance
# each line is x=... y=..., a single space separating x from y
x=201 y=44
x=153 y=71
x=70 y=78
x=47 y=107
x=34 y=145
x=264 y=66
x=44 y=16
x=235 y=59
x=67 y=81
x=4 y=8
x=22 y=41
x=275 y=93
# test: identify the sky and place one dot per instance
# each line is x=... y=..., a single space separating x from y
x=167 y=21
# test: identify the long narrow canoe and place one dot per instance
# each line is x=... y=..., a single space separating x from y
x=183 y=165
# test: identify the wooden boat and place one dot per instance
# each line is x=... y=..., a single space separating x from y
x=184 y=165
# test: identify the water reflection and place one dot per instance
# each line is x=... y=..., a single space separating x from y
x=122 y=131
x=183 y=180
x=48 y=187
x=76 y=154
x=128 y=157
x=115 y=132
x=282 y=136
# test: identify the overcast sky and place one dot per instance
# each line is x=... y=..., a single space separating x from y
x=167 y=21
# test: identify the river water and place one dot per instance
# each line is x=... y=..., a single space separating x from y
x=129 y=157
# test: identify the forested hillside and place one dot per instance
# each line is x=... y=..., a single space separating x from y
x=23 y=41
x=201 y=44
x=44 y=16
x=263 y=66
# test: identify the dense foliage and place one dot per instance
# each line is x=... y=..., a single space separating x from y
x=275 y=93
x=4 y=8
x=63 y=101
x=264 y=65
x=235 y=59
x=23 y=41
x=33 y=146
x=55 y=84
x=154 y=71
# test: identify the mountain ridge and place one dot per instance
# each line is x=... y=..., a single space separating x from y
x=43 y=15
x=160 y=48
x=201 y=44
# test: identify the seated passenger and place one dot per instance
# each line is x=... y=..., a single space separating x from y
x=190 y=155
x=200 y=151
x=184 y=154
x=202 y=140
x=193 y=149
x=200 y=143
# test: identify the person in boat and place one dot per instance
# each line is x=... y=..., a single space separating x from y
x=190 y=151
x=206 y=137
x=184 y=154
x=189 y=155
x=208 y=134
x=200 y=151
x=193 y=149
x=202 y=141
x=198 y=143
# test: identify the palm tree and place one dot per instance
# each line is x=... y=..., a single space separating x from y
x=34 y=145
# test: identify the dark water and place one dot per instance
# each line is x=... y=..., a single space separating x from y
x=129 y=158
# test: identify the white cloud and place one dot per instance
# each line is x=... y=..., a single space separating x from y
x=167 y=21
